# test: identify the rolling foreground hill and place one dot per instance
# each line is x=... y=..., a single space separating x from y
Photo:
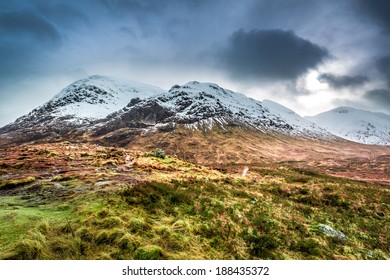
x=86 y=176
x=83 y=201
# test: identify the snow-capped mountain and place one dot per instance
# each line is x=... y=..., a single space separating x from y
x=205 y=105
x=86 y=100
x=299 y=123
x=98 y=96
x=99 y=106
x=356 y=125
x=198 y=103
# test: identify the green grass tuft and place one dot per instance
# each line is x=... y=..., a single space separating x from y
x=10 y=184
x=149 y=252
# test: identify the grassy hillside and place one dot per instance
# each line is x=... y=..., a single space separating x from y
x=221 y=145
x=79 y=201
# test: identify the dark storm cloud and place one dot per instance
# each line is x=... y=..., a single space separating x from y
x=24 y=36
x=383 y=66
x=282 y=12
x=42 y=39
x=42 y=17
x=338 y=82
x=139 y=9
x=32 y=31
x=168 y=20
x=379 y=10
x=150 y=6
x=62 y=15
x=379 y=97
x=270 y=54
x=147 y=12
x=27 y=23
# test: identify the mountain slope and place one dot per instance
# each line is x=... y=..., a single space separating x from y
x=299 y=123
x=198 y=105
x=98 y=96
x=115 y=112
x=356 y=125
x=83 y=101
x=83 y=201
x=193 y=106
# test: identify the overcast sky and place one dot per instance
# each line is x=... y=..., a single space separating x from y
x=309 y=55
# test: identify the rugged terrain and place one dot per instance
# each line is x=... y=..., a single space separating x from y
x=105 y=107
x=85 y=176
x=199 y=122
x=102 y=107
x=74 y=109
x=83 y=201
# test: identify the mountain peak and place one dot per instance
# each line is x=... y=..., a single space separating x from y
x=292 y=118
x=86 y=100
x=98 y=96
x=106 y=85
x=202 y=85
x=203 y=105
x=196 y=86
x=104 y=105
x=343 y=110
x=98 y=77
x=278 y=106
x=356 y=125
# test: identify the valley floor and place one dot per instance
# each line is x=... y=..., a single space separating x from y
x=84 y=201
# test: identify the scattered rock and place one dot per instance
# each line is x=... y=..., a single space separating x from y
x=102 y=183
x=329 y=231
x=59 y=186
x=373 y=255
x=246 y=168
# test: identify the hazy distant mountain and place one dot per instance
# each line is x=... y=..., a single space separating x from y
x=299 y=123
x=356 y=125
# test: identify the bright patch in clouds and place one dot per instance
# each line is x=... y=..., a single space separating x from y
x=312 y=83
x=316 y=102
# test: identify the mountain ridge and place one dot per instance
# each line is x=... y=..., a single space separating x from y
x=356 y=125
x=86 y=100
x=101 y=107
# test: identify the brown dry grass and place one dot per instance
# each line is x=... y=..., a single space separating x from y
x=238 y=146
x=84 y=201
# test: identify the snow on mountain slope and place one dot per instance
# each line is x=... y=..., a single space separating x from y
x=208 y=98
x=203 y=105
x=356 y=125
x=197 y=101
x=299 y=123
x=97 y=96
x=100 y=105
x=195 y=105
x=86 y=100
